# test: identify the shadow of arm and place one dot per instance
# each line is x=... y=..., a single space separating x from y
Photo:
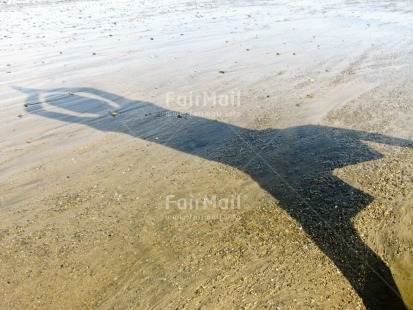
x=383 y=139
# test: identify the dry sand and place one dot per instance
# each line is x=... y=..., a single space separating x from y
x=87 y=166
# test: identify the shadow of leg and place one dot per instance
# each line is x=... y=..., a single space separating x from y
x=366 y=272
x=324 y=207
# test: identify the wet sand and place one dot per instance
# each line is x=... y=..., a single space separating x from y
x=307 y=148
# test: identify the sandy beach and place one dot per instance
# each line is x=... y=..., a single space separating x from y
x=206 y=154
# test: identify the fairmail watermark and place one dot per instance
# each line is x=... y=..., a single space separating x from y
x=191 y=202
x=207 y=114
x=201 y=217
x=203 y=99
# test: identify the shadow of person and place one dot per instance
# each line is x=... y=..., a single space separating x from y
x=295 y=165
